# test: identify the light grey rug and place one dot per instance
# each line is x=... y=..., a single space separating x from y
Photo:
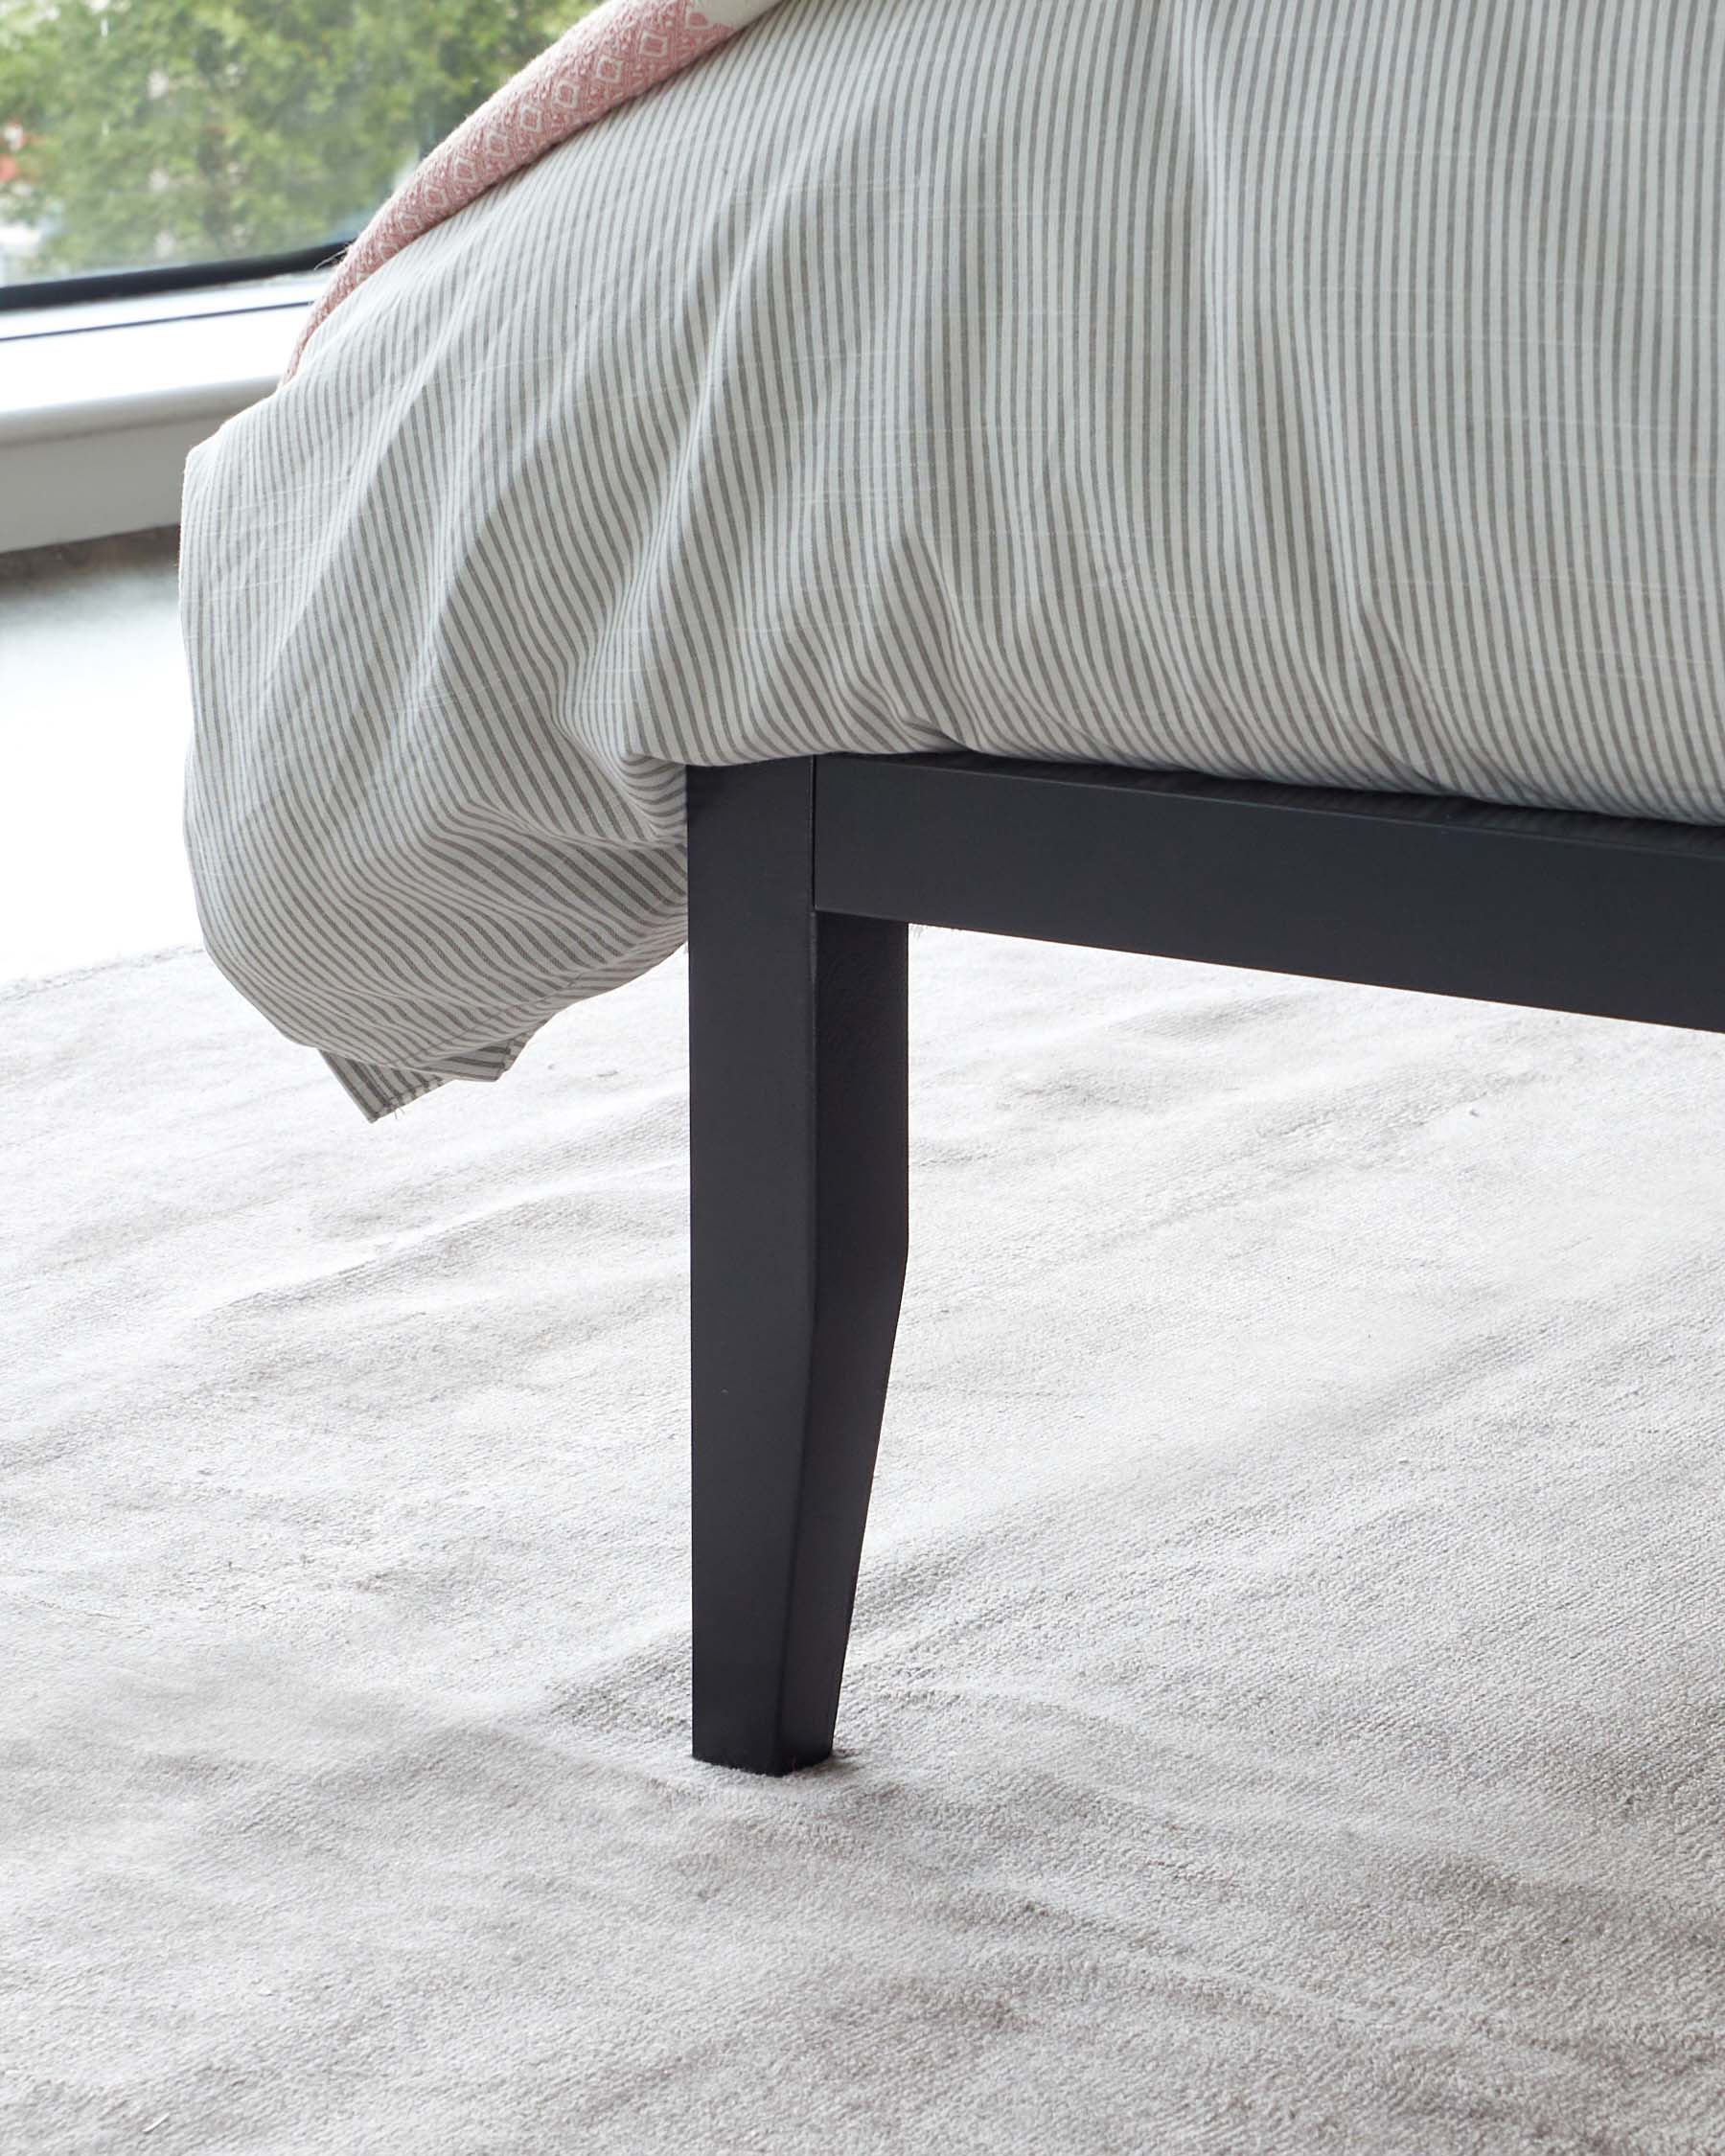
x=1286 y=1703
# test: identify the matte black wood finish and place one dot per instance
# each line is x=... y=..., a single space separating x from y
x=1567 y=912
x=802 y=877
x=1613 y=916
x=799 y=1098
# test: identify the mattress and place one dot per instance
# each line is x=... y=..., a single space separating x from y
x=1308 y=390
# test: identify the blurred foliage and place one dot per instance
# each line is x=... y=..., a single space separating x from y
x=138 y=132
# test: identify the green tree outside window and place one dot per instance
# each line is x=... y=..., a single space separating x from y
x=139 y=132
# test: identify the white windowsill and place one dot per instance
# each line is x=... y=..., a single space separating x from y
x=100 y=404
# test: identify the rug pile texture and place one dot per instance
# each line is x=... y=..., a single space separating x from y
x=1285 y=1710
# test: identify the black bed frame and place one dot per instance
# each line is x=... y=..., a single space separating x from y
x=803 y=877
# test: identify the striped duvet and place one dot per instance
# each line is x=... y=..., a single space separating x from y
x=1315 y=390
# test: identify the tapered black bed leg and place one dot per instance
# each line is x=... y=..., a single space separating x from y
x=798 y=1222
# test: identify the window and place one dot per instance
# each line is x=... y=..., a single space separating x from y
x=154 y=142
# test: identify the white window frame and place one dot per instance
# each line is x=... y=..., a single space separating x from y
x=100 y=402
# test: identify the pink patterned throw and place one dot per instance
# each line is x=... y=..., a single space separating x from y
x=621 y=49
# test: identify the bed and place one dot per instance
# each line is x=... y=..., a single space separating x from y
x=1222 y=479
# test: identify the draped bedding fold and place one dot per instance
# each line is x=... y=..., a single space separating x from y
x=1292 y=389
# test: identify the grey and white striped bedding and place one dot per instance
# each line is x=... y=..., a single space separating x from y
x=1319 y=390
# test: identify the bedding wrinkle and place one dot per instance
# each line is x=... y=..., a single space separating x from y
x=1205 y=503
x=1489 y=92
x=1300 y=500
x=1399 y=430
